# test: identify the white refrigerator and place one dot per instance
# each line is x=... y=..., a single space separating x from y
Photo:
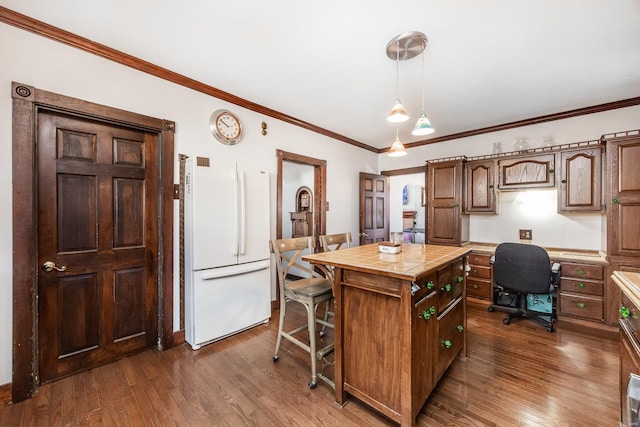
x=227 y=258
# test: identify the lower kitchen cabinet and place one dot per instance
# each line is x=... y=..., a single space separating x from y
x=480 y=278
x=582 y=291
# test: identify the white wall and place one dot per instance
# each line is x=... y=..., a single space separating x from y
x=550 y=229
x=50 y=66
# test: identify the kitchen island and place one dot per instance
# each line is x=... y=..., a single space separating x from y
x=400 y=321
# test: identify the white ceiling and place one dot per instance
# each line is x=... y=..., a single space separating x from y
x=324 y=62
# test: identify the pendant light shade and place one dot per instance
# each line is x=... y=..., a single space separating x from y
x=398 y=113
x=397 y=149
x=422 y=127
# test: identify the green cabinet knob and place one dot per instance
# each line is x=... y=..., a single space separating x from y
x=447 y=344
x=426 y=315
x=564 y=181
x=581 y=285
x=430 y=284
x=432 y=309
x=581 y=305
x=615 y=201
x=460 y=328
x=455 y=205
x=581 y=272
x=447 y=287
x=475 y=271
x=624 y=312
x=460 y=279
x=551 y=170
x=475 y=286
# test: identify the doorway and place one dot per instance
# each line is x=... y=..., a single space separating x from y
x=62 y=207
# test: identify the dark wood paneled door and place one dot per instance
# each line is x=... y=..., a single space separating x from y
x=97 y=228
x=374 y=208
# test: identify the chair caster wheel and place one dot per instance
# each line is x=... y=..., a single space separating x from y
x=275 y=359
x=313 y=384
x=506 y=320
x=322 y=333
x=490 y=309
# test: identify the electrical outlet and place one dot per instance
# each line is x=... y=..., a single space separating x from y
x=525 y=234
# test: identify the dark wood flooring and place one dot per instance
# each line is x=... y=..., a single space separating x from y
x=516 y=375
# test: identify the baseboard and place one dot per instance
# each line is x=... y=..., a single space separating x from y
x=178 y=338
x=5 y=394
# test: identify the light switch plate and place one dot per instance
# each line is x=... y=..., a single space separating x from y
x=525 y=234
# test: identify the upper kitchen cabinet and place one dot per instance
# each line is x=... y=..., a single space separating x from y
x=446 y=222
x=580 y=180
x=480 y=191
x=532 y=171
x=623 y=204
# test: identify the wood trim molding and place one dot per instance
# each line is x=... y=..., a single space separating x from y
x=630 y=102
x=54 y=33
x=5 y=394
x=404 y=171
x=65 y=37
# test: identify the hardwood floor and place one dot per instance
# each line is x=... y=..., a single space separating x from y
x=514 y=375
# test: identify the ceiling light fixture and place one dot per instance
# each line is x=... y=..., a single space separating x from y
x=398 y=113
x=397 y=149
x=423 y=125
x=406 y=46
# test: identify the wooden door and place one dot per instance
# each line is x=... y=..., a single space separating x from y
x=97 y=198
x=374 y=208
x=623 y=218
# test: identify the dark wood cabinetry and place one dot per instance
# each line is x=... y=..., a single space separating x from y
x=531 y=171
x=480 y=191
x=301 y=224
x=581 y=293
x=446 y=222
x=580 y=175
x=480 y=278
x=623 y=204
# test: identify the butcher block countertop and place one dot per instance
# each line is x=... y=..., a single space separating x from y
x=629 y=283
x=414 y=260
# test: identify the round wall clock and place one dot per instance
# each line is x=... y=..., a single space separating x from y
x=225 y=127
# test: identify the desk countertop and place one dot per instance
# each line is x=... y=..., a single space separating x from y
x=556 y=255
x=629 y=283
x=414 y=260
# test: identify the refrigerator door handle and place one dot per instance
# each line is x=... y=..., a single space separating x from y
x=236 y=212
x=243 y=214
x=235 y=270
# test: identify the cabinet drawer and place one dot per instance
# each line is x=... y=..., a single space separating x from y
x=480 y=271
x=448 y=292
x=631 y=317
x=586 y=307
x=582 y=286
x=583 y=271
x=450 y=336
x=479 y=259
x=478 y=288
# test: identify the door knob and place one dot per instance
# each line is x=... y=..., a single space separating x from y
x=50 y=266
x=364 y=235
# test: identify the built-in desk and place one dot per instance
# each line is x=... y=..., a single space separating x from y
x=400 y=321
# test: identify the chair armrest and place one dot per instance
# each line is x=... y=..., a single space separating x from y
x=555 y=274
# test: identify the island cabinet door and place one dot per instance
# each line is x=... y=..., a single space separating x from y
x=450 y=337
x=423 y=355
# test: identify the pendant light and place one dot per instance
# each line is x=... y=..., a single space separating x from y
x=423 y=125
x=397 y=149
x=398 y=113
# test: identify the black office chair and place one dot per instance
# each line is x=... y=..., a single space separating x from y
x=524 y=279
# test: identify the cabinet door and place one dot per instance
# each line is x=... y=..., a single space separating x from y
x=623 y=213
x=424 y=321
x=536 y=171
x=444 y=204
x=450 y=336
x=480 y=195
x=580 y=186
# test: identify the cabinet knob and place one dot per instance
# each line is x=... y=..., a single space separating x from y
x=475 y=271
x=615 y=201
x=624 y=312
x=426 y=315
x=581 y=285
x=430 y=284
x=581 y=272
x=460 y=328
x=447 y=344
x=432 y=309
x=455 y=205
x=581 y=305
x=447 y=287
x=460 y=279
x=564 y=181
x=551 y=170
x=475 y=286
